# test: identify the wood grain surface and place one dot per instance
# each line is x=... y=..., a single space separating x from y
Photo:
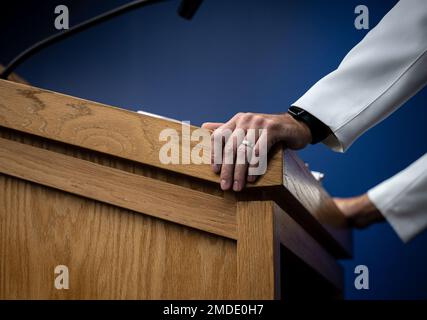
x=149 y=196
x=107 y=129
x=299 y=181
x=135 y=137
x=81 y=184
x=258 y=251
x=292 y=236
x=111 y=253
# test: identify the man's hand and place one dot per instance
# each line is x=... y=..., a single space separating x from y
x=360 y=211
x=278 y=128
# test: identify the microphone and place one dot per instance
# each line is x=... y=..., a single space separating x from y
x=188 y=8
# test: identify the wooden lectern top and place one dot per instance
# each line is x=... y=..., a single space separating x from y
x=62 y=120
x=82 y=185
x=114 y=131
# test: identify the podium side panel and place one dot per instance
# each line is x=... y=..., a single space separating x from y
x=111 y=253
x=258 y=251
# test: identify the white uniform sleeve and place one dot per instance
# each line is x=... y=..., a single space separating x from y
x=375 y=78
x=402 y=199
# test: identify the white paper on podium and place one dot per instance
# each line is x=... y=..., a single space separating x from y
x=157 y=116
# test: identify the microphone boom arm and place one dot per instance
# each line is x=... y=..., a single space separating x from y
x=187 y=10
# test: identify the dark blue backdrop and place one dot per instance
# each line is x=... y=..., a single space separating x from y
x=239 y=55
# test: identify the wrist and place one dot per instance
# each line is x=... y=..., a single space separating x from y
x=297 y=134
x=364 y=212
x=318 y=130
x=368 y=209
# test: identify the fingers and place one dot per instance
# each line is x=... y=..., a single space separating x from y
x=252 y=164
x=227 y=148
x=219 y=139
x=241 y=167
x=281 y=127
x=258 y=158
x=211 y=125
x=229 y=160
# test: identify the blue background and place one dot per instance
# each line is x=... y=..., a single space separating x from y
x=257 y=55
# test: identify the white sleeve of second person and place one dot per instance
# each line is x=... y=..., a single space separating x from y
x=375 y=78
x=402 y=199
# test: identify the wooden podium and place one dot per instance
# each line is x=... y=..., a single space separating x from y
x=81 y=185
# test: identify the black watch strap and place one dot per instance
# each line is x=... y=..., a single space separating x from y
x=319 y=130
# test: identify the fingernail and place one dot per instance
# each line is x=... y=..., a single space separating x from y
x=224 y=184
x=236 y=186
